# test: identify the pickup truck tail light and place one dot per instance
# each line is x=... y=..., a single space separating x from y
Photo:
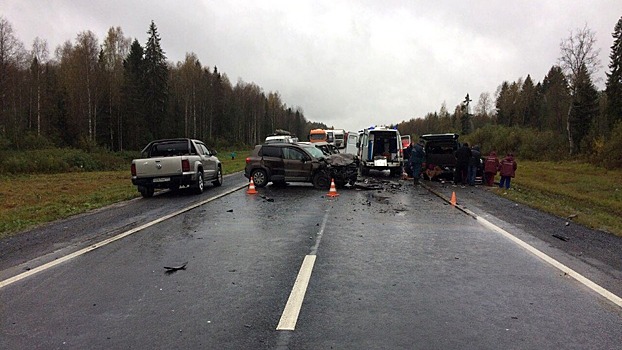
x=185 y=165
x=133 y=169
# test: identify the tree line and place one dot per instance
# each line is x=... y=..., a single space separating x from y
x=120 y=95
x=564 y=106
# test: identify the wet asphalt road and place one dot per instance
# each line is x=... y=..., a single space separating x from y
x=395 y=268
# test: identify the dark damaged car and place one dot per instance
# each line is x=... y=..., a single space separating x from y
x=281 y=163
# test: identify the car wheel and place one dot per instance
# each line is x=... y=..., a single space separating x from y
x=321 y=181
x=218 y=181
x=200 y=185
x=146 y=192
x=260 y=177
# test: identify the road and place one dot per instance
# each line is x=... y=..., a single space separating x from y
x=395 y=267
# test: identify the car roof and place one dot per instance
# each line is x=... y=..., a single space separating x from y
x=440 y=137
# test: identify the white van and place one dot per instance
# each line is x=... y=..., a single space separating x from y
x=380 y=148
x=340 y=141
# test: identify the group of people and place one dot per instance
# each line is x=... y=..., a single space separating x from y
x=506 y=167
x=468 y=161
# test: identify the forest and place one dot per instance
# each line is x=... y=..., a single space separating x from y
x=120 y=94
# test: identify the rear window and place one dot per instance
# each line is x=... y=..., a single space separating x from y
x=169 y=149
x=269 y=151
x=443 y=147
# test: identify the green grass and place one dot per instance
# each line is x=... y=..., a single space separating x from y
x=30 y=200
x=590 y=194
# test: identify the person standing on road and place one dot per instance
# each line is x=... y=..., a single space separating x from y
x=417 y=157
x=463 y=156
x=408 y=166
x=474 y=164
x=491 y=167
x=507 y=171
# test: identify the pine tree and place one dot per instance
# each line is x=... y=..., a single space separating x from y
x=156 y=83
x=556 y=99
x=527 y=101
x=584 y=107
x=614 y=78
x=133 y=125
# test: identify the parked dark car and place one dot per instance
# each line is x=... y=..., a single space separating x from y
x=280 y=163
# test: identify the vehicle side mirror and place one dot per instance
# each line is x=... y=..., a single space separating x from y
x=214 y=152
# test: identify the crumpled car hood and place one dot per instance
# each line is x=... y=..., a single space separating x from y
x=341 y=159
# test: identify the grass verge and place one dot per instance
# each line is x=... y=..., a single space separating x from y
x=584 y=193
x=31 y=200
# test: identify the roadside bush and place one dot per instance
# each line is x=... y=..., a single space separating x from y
x=5 y=144
x=524 y=143
x=609 y=152
x=56 y=160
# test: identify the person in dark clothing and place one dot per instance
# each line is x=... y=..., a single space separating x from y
x=463 y=155
x=408 y=166
x=474 y=164
x=417 y=157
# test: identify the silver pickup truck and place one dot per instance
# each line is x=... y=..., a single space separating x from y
x=173 y=163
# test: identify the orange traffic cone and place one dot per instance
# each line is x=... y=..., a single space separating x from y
x=333 y=190
x=251 y=188
x=453 y=198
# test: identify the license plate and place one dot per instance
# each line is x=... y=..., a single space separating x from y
x=162 y=179
x=380 y=162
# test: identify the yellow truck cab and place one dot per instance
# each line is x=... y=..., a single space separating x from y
x=318 y=135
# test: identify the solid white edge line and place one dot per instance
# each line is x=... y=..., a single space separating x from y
x=294 y=303
x=92 y=247
x=570 y=272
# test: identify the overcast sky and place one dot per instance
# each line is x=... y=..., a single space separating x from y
x=349 y=64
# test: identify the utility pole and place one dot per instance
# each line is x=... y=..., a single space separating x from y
x=467 y=124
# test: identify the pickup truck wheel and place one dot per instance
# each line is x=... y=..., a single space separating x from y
x=218 y=181
x=200 y=185
x=260 y=178
x=321 y=181
x=146 y=192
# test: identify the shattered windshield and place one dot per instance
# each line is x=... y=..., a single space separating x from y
x=315 y=152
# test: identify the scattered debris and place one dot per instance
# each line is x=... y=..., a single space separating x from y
x=267 y=199
x=560 y=237
x=572 y=216
x=171 y=269
x=230 y=211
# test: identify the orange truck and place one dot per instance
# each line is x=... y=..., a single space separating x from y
x=318 y=135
